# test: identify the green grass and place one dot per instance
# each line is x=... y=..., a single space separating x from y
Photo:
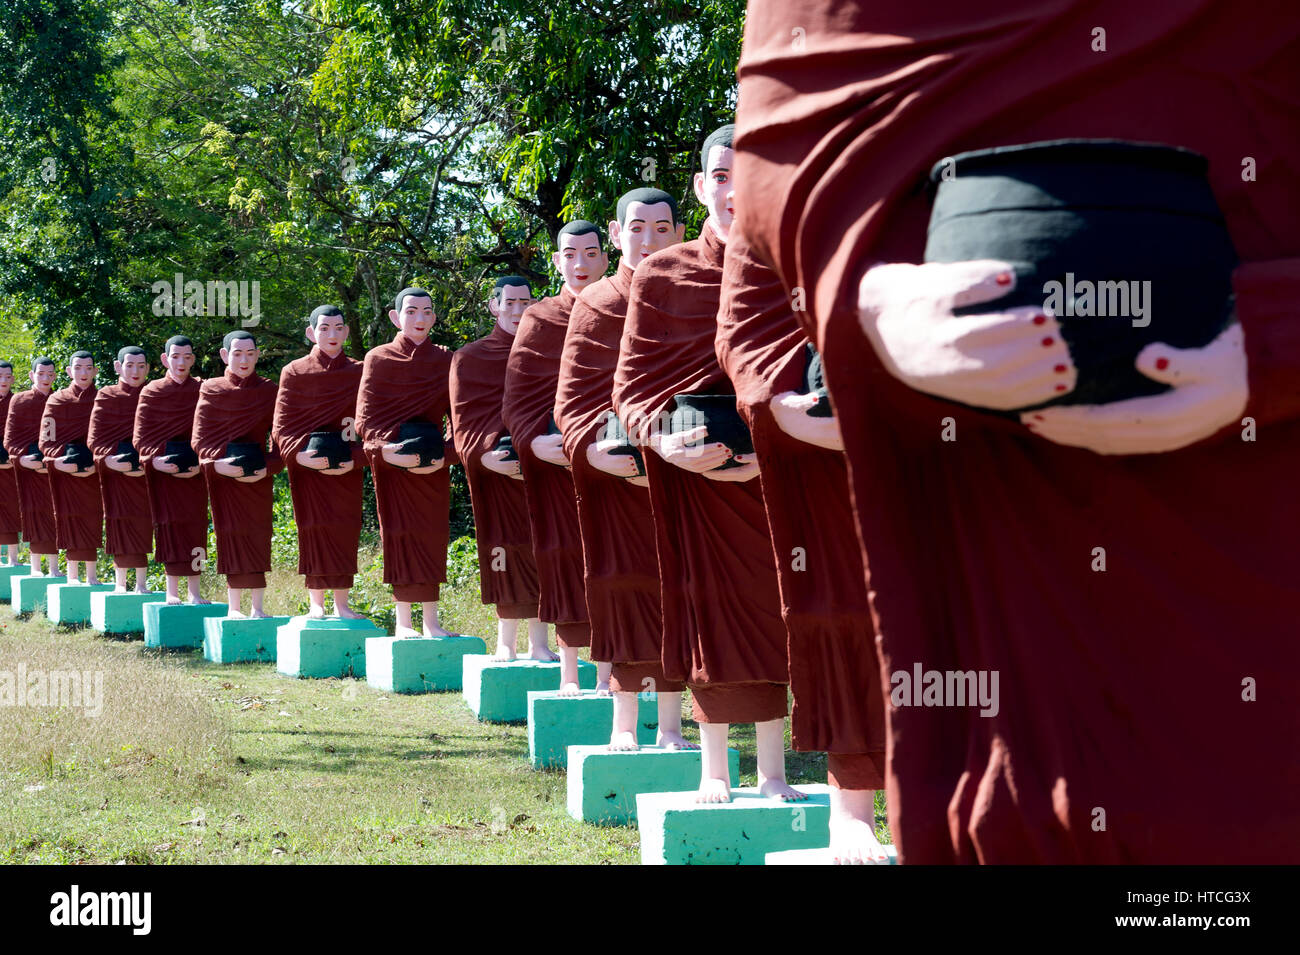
x=197 y=763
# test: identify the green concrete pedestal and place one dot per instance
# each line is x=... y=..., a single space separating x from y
x=497 y=691
x=6 y=575
x=676 y=830
x=817 y=857
x=418 y=665
x=30 y=592
x=177 y=626
x=121 y=613
x=557 y=722
x=70 y=603
x=603 y=786
x=322 y=647
x=241 y=639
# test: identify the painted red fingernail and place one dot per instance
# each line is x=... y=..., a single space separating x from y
x=1060 y=387
x=1162 y=363
x=1039 y=417
x=1040 y=319
x=1049 y=341
x=1059 y=369
x=1003 y=278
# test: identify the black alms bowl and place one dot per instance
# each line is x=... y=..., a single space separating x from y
x=507 y=444
x=125 y=449
x=422 y=438
x=34 y=450
x=247 y=455
x=1124 y=241
x=614 y=431
x=76 y=452
x=814 y=383
x=330 y=446
x=718 y=414
x=178 y=452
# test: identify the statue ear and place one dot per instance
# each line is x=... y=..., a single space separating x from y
x=117 y=368
x=615 y=234
x=494 y=309
x=225 y=355
x=392 y=317
x=681 y=232
x=699 y=188
x=555 y=261
x=311 y=334
x=163 y=358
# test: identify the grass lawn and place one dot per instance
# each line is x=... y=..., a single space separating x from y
x=193 y=762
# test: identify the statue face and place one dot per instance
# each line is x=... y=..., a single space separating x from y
x=649 y=228
x=330 y=333
x=580 y=260
x=82 y=372
x=6 y=381
x=509 y=304
x=716 y=188
x=43 y=377
x=179 y=361
x=241 y=357
x=133 y=370
x=416 y=317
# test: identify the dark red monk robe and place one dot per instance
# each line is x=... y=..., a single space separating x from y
x=10 y=517
x=128 y=530
x=179 y=505
x=834 y=671
x=35 y=506
x=78 y=510
x=403 y=381
x=526 y=409
x=1119 y=690
x=507 y=568
x=319 y=393
x=230 y=409
x=723 y=633
x=618 y=550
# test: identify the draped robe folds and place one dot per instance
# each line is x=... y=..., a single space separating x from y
x=78 y=509
x=621 y=569
x=1117 y=687
x=834 y=671
x=128 y=531
x=231 y=408
x=507 y=568
x=10 y=516
x=35 y=506
x=319 y=393
x=723 y=633
x=179 y=505
x=526 y=408
x=403 y=381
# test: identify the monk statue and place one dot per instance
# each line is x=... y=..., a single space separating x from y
x=22 y=436
x=10 y=517
x=74 y=482
x=164 y=421
x=622 y=569
x=528 y=412
x=507 y=568
x=1091 y=516
x=128 y=530
x=400 y=410
x=723 y=632
x=231 y=424
x=314 y=429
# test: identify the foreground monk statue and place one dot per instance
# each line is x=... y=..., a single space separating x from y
x=314 y=429
x=723 y=633
x=74 y=482
x=1127 y=568
x=164 y=421
x=10 y=518
x=128 y=530
x=400 y=410
x=528 y=410
x=507 y=568
x=834 y=671
x=22 y=434
x=622 y=569
x=231 y=423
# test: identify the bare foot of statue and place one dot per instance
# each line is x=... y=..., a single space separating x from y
x=406 y=633
x=235 y=612
x=437 y=632
x=714 y=790
x=602 y=689
x=543 y=654
x=780 y=789
x=505 y=652
x=122 y=589
x=603 y=673
x=259 y=614
x=347 y=613
x=316 y=611
x=674 y=741
x=172 y=600
x=854 y=842
x=570 y=689
x=623 y=743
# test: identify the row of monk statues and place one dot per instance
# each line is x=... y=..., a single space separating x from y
x=843 y=446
